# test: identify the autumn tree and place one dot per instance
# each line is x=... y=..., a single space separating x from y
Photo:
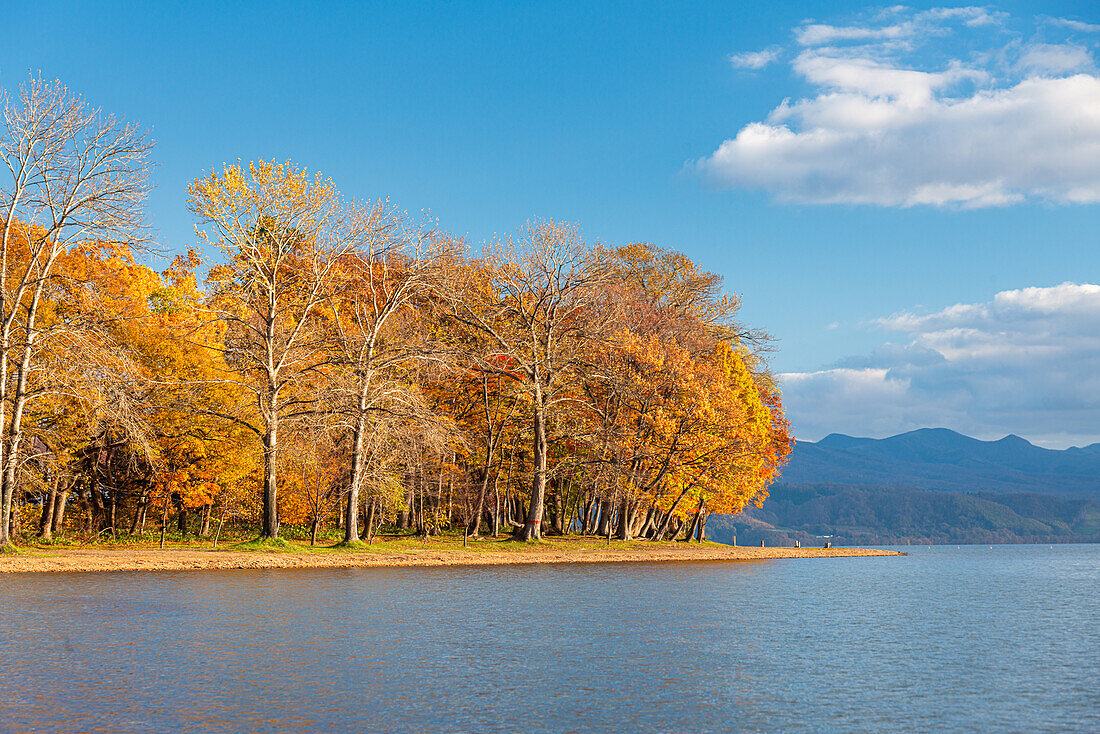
x=538 y=309
x=679 y=413
x=75 y=174
x=281 y=231
x=377 y=330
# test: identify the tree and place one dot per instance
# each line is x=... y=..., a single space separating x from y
x=540 y=313
x=282 y=231
x=376 y=328
x=75 y=174
x=679 y=412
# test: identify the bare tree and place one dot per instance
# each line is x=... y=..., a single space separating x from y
x=75 y=175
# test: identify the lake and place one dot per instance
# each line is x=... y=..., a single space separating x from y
x=946 y=639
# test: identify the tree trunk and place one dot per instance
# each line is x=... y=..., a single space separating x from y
x=637 y=520
x=604 y=526
x=204 y=531
x=313 y=531
x=625 y=520
x=474 y=528
x=450 y=501
x=221 y=521
x=572 y=508
x=57 y=522
x=16 y=515
x=86 y=506
x=558 y=523
x=270 y=527
x=45 y=526
x=369 y=524
x=532 y=529
x=95 y=502
x=693 y=527
x=351 y=512
x=496 y=505
x=668 y=518
x=163 y=519
x=137 y=511
x=113 y=516
x=15 y=435
x=421 y=490
x=432 y=527
x=403 y=516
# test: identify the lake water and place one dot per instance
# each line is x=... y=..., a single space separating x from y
x=945 y=639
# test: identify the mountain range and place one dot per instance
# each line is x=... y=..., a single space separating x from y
x=929 y=485
x=943 y=460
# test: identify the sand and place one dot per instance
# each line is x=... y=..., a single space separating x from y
x=484 y=553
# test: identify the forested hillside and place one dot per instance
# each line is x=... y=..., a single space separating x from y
x=318 y=362
x=927 y=486
x=869 y=515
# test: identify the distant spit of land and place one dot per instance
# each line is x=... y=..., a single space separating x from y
x=397 y=553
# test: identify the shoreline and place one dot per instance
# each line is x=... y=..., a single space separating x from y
x=78 y=560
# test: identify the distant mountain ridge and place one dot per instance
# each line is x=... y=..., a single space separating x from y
x=942 y=460
x=932 y=485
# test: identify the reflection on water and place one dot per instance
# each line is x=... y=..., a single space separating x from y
x=968 y=639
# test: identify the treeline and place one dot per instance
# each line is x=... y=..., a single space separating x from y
x=335 y=364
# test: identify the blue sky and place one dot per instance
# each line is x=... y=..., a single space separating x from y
x=637 y=122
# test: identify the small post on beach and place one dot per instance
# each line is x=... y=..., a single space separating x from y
x=761 y=544
x=798 y=544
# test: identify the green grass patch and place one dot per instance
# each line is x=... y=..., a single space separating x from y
x=348 y=545
x=270 y=545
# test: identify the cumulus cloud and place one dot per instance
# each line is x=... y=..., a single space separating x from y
x=755 y=60
x=895 y=122
x=1025 y=362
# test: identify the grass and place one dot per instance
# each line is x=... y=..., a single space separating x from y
x=332 y=543
x=270 y=545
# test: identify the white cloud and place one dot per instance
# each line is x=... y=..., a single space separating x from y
x=1055 y=58
x=1025 y=362
x=1075 y=25
x=818 y=34
x=1009 y=123
x=755 y=60
x=906 y=25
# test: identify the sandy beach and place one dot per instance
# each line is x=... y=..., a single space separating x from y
x=432 y=554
